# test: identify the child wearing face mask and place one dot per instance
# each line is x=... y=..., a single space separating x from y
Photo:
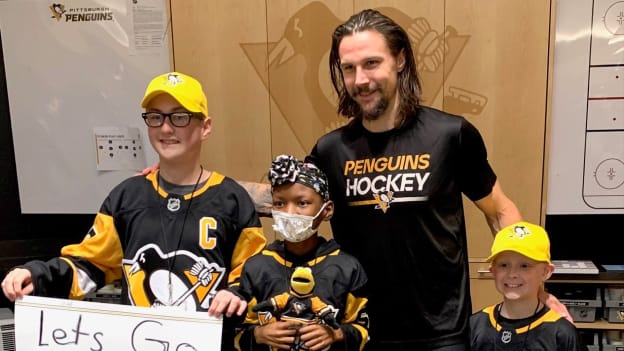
x=304 y=292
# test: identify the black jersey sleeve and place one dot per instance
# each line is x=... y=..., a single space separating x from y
x=476 y=175
x=355 y=325
x=313 y=156
x=568 y=337
x=82 y=267
x=251 y=238
x=245 y=340
x=52 y=278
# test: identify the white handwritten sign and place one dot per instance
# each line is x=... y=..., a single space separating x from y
x=57 y=324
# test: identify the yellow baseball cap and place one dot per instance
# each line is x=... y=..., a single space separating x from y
x=185 y=89
x=525 y=238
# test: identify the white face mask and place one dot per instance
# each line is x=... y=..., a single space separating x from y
x=294 y=227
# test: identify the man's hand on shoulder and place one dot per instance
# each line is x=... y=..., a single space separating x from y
x=554 y=304
x=148 y=170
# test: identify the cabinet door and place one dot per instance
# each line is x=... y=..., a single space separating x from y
x=482 y=289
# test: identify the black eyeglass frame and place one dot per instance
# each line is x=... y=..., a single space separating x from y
x=164 y=116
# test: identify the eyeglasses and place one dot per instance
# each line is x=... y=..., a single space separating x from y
x=178 y=119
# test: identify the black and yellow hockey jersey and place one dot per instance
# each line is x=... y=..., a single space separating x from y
x=340 y=282
x=169 y=249
x=545 y=331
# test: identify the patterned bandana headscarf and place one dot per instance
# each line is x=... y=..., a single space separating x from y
x=287 y=169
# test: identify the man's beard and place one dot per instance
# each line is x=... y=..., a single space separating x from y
x=377 y=110
x=374 y=113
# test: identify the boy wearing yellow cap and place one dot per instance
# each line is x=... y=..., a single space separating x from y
x=175 y=237
x=520 y=263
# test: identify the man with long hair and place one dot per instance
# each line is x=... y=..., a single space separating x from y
x=401 y=169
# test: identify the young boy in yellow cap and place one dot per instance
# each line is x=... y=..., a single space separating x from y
x=305 y=293
x=176 y=237
x=520 y=263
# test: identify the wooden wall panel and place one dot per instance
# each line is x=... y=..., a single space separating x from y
x=504 y=66
x=223 y=44
x=303 y=102
x=482 y=288
x=210 y=38
x=426 y=17
x=299 y=33
x=264 y=65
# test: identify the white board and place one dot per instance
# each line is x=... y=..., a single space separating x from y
x=57 y=324
x=586 y=156
x=81 y=65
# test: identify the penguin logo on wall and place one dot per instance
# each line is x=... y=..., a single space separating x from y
x=301 y=55
x=176 y=279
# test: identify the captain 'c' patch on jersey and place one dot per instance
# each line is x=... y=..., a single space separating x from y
x=206 y=224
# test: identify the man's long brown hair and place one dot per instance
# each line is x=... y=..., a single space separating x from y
x=398 y=41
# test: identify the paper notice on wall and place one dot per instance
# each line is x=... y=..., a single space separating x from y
x=118 y=148
x=149 y=25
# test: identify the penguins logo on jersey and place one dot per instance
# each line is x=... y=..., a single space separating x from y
x=154 y=281
x=265 y=317
x=383 y=200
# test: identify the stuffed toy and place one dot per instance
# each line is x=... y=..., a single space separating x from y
x=298 y=304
